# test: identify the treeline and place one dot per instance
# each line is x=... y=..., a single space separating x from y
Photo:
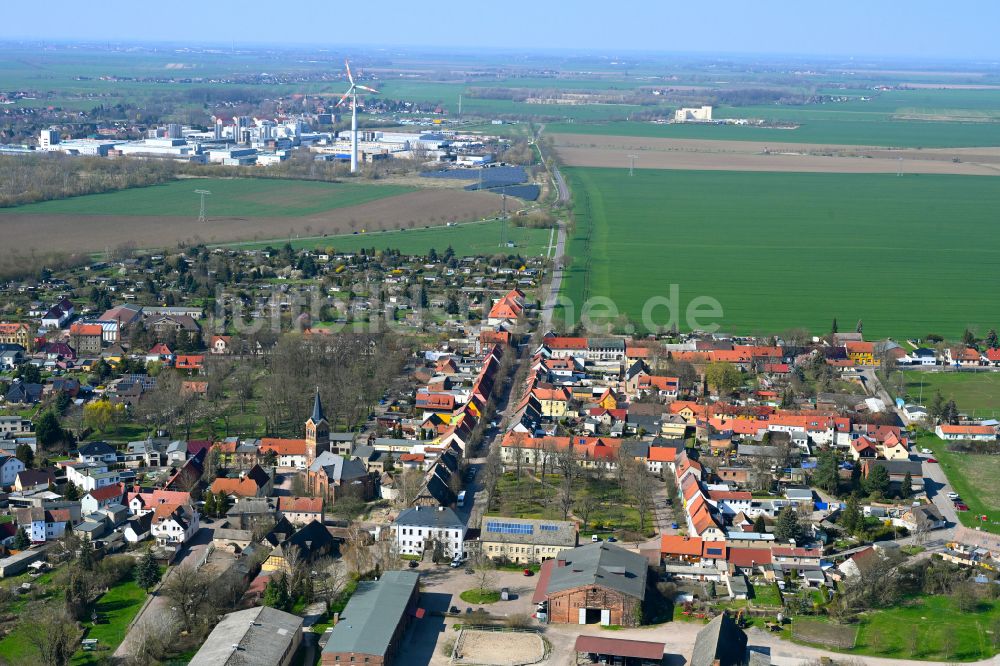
x=28 y=179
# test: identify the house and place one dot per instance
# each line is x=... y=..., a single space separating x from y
x=332 y=476
x=862 y=353
x=301 y=510
x=16 y=334
x=255 y=483
x=287 y=452
x=679 y=548
x=174 y=524
x=220 y=344
x=260 y=635
x=86 y=339
x=23 y=393
x=598 y=583
x=141 y=502
x=309 y=543
x=194 y=388
x=138 y=528
x=56 y=316
x=90 y=475
x=373 y=622
x=10 y=467
x=102 y=497
x=923 y=518
x=97 y=452
x=525 y=540
x=720 y=643
x=897 y=470
x=191 y=362
x=922 y=356
x=46 y=524
x=422 y=528
x=29 y=480
x=976 y=433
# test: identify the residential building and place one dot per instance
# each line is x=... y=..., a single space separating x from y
x=308 y=543
x=598 y=583
x=254 y=483
x=102 y=497
x=46 y=524
x=977 y=433
x=16 y=334
x=10 y=467
x=259 y=636
x=86 y=339
x=420 y=528
x=174 y=524
x=97 y=452
x=372 y=625
x=301 y=510
x=525 y=540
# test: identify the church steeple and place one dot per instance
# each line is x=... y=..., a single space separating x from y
x=317 y=431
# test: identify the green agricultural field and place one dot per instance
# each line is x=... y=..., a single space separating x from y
x=783 y=250
x=976 y=393
x=975 y=477
x=231 y=197
x=467 y=239
x=829 y=128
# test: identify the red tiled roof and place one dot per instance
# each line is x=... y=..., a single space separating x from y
x=747 y=557
x=107 y=492
x=675 y=544
x=283 y=447
x=300 y=504
x=619 y=647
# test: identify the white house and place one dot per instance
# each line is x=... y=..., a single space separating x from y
x=90 y=476
x=418 y=528
x=46 y=524
x=9 y=468
x=976 y=433
x=97 y=452
x=174 y=524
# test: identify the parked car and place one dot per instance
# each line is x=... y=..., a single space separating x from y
x=953 y=495
x=413 y=564
x=455 y=564
x=611 y=539
x=529 y=573
x=925 y=451
x=931 y=460
x=961 y=506
x=594 y=538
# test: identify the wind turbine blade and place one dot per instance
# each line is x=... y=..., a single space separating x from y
x=346 y=95
x=372 y=90
x=350 y=76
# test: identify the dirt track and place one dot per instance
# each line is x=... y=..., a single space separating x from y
x=95 y=233
x=698 y=154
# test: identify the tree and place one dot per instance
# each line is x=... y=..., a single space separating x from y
x=486 y=575
x=47 y=429
x=723 y=377
x=992 y=341
x=877 y=481
x=787 y=527
x=827 y=476
x=906 y=488
x=71 y=492
x=833 y=326
x=52 y=633
x=21 y=540
x=860 y=327
x=99 y=415
x=969 y=338
x=276 y=593
x=77 y=594
x=210 y=507
x=852 y=519
x=187 y=589
x=759 y=526
x=856 y=477
x=29 y=373
x=24 y=453
x=950 y=414
x=936 y=410
x=147 y=572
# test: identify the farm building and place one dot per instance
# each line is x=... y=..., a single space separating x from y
x=598 y=583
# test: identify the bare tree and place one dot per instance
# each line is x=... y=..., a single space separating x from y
x=410 y=483
x=187 y=588
x=584 y=507
x=486 y=574
x=640 y=487
x=53 y=635
x=152 y=638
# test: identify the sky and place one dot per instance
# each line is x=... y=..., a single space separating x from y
x=914 y=29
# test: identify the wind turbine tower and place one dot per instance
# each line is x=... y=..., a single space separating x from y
x=352 y=92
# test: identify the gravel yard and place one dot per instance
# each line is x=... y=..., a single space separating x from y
x=499 y=648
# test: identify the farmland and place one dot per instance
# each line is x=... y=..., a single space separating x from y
x=238 y=210
x=477 y=238
x=780 y=250
x=976 y=393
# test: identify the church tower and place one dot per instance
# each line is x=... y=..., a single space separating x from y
x=317 y=431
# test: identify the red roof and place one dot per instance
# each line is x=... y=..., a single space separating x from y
x=86 y=329
x=619 y=647
x=107 y=492
x=543 y=581
x=671 y=544
x=300 y=504
x=565 y=343
x=747 y=557
x=283 y=447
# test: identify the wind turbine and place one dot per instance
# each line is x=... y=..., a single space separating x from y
x=353 y=93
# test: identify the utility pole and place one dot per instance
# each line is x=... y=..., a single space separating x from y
x=201 y=213
x=631 y=164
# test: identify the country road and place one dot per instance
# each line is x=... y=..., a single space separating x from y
x=557 y=270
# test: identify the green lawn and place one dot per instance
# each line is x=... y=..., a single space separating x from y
x=976 y=393
x=477 y=238
x=766 y=595
x=115 y=609
x=231 y=197
x=942 y=632
x=477 y=596
x=782 y=250
x=976 y=478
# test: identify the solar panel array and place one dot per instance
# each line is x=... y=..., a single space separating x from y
x=509 y=528
x=549 y=528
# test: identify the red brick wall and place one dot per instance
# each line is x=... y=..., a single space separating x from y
x=564 y=607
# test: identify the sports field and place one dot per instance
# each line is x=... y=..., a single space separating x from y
x=231 y=197
x=473 y=239
x=908 y=255
x=976 y=393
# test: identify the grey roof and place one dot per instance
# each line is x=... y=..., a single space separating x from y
x=263 y=635
x=440 y=517
x=337 y=468
x=317 y=413
x=371 y=617
x=720 y=640
x=96 y=449
x=601 y=564
x=900 y=467
x=564 y=533
x=363 y=452
x=758 y=450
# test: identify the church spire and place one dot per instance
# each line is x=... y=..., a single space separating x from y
x=317 y=414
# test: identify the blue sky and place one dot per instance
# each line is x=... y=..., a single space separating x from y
x=885 y=28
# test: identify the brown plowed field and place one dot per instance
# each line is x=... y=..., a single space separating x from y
x=698 y=154
x=95 y=233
